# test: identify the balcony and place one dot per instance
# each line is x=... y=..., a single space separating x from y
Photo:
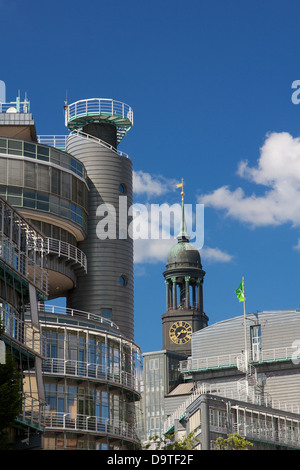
x=32 y=413
x=65 y=250
x=87 y=370
x=22 y=333
x=91 y=424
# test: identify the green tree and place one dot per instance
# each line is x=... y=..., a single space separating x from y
x=10 y=396
x=168 y=442
x=233 y=442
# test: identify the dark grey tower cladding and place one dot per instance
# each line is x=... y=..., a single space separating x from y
x=184 y=294
x=97 y=126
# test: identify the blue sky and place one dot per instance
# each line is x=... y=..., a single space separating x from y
x=210 y=84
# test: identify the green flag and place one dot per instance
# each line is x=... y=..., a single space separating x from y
x=240 y=292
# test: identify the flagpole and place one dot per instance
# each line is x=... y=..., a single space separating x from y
x=245 y=332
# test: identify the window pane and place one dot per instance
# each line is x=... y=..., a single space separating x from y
x=66 y=185
x=30 y=180
x=29 y=149
x=43 y=178
x=55 y=181
x=15 y=172
x=42 y=153
x=3 y=167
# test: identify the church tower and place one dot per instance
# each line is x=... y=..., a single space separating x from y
x=184 y=293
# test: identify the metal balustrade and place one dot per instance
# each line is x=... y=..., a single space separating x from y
x=15 y=107
x=22 y=332
x=99 y=106
x=99 y=141
x=57 y=141
x=91 y=424
x=64 y=249
x=32 y=412
x=233 y=360
x=77 y=314
x=225 y=360
x=60 y=141
x=228 y=392
x=89 y=370
x=21 y=247
x=106 y=110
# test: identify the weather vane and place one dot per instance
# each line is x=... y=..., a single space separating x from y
x=180 y=185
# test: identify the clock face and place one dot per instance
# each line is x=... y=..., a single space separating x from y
x=180 y=332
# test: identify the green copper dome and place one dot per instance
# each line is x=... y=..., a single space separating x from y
x=183 y=253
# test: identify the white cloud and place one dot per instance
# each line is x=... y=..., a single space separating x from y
x=278 y=170
x=156 y=251
x=152 y=251
x=145 y=183
x=215 y=255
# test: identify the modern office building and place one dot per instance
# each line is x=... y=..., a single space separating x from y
x=67 y=188
x=23 y=282
x=246 y=386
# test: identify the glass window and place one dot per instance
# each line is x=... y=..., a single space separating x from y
x=255 y=332
x=65 y=160
x=66 y=185
x=14 y=191
x=14 y=200
x=43 y=178
x=29 y=150
x=3 y=145
x=30 y=175
x=15 y=172
x=43 y=153
x=55 y=181
x=55 y=156
x=122 y=188
x=74 y=189
x=106 y=313
x=3 y=171
x=80 y=193
x=42 y=202
x=15 y=147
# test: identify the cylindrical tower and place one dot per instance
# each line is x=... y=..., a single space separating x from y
x=97 y=126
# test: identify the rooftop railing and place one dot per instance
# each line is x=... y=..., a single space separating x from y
x=230 y=360
x=57 y=141
x=99 y=109
x=15 y=107
x=99 y=106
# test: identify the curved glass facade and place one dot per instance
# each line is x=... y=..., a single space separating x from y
x=39 y=186
x=91 y=382
x=43 y=153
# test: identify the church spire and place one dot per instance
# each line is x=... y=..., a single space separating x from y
x=183 y=236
